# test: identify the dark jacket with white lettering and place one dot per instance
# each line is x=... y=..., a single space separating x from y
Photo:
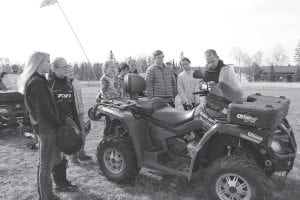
x=64 y=97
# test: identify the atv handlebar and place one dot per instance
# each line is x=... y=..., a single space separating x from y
x=201 y=93
x=124 y=107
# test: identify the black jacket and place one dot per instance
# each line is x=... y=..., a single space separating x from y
x=40 y=103
x=213 y=74
x=64 y=97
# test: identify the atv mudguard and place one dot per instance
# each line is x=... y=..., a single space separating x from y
x=137 y=130
x=228 y=129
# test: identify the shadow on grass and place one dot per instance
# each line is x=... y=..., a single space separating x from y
x=158 y=185
x=86 y=195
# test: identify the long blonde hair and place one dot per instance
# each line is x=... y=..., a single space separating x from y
x=33 y=63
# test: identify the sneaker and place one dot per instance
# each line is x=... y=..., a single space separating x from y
x=75 y=160
x=66 y=187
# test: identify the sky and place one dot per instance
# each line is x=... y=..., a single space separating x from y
x=138 y=27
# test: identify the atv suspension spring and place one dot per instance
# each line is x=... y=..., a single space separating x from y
x=229 y=150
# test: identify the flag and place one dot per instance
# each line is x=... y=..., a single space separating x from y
x=48 y=3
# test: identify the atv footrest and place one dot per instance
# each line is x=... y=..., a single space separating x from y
x=155 y=156
x=183 y=167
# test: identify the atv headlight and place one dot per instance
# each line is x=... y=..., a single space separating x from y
x=276 y=146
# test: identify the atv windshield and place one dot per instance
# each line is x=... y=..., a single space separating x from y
x=228 y=86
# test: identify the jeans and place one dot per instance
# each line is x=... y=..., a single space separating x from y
x=84 y=133
x=49 y=155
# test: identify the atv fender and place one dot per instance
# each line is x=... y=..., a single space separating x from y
x=137 y=131
x=227 y=129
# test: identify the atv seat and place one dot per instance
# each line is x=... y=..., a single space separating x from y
x=173 y=116
x=146 y=106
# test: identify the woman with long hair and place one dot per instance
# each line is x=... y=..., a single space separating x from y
x=39 y=101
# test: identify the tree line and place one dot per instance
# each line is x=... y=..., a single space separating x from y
x=251 y=65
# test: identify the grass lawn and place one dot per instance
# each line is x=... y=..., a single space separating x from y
x=18 y=165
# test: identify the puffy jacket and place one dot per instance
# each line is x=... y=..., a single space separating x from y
x=161 y=81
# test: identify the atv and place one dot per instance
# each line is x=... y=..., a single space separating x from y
x=12 y=110
x=237 y=149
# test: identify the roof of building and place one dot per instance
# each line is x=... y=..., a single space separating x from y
x=280 y=69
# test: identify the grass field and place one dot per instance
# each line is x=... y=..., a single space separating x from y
x=18 y=164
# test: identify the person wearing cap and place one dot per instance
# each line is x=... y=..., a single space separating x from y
x=65 y=102
x=123 y=70
x=132 y=66
x=160 y=79
x=187 y=85
x=171 y=66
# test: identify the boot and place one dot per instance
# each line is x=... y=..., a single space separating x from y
x=52 y=197
x=60 y=178
x=84 y=157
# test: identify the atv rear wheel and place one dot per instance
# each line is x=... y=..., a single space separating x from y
x=236 y=178
x=117 y=160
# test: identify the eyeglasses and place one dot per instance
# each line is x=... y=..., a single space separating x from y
x=65 y=67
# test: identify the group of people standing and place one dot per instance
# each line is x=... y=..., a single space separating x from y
x=50 y=101
x=160 y=78
x=163 y=82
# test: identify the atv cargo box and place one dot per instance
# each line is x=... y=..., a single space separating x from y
x=277 y=100
x=260 y=114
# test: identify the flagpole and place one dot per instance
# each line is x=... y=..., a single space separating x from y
x=75 y=36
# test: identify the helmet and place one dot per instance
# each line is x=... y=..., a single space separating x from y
x=69 y=139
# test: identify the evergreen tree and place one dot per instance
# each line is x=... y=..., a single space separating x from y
x=98 y=70
x=181 y=55
x=297 y=54
x=272 y=74
x=111 y=56
x=298 y=74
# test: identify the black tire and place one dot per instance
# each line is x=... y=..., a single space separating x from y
x=250 y=182
x=122 y=149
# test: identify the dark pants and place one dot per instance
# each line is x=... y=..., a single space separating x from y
x=49 y=155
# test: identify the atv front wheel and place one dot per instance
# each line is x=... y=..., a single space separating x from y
x=117 y=160
x=236 y=178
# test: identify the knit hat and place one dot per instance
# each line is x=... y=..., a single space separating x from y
x=157 y=53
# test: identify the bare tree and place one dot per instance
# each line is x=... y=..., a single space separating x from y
x=278 y=56
x=257 y=58
x=241 y=58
